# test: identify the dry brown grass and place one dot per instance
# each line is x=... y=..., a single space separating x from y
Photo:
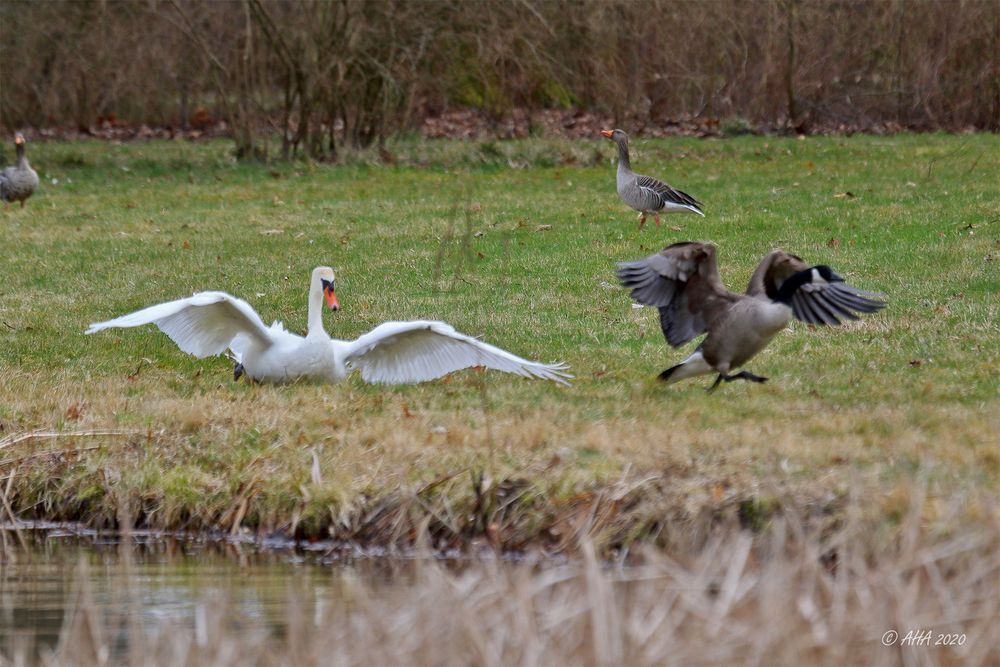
x=374 y=466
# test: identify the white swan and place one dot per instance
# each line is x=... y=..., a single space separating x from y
x=209 y=323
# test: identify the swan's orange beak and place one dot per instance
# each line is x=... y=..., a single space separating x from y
x=331 y=298
x=607 y=133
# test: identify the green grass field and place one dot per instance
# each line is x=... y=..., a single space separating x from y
x=515 y=242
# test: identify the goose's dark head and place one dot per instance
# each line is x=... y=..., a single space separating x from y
x=823 y=273
x=817 y=275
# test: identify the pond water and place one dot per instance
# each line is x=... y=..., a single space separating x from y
x=152 y=579
x=71 y=597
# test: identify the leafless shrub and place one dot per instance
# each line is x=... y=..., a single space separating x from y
x=350 y=71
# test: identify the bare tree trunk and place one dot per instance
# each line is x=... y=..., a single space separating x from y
x=994 y=123
x=792 y=106
x=900 y=41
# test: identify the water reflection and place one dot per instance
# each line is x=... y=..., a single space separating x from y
x=161 y=600
x=151 y=580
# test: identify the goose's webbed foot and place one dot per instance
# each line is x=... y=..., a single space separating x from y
x=747 y=375
x=742 y=375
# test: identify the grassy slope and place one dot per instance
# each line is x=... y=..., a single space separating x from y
x=911 y=393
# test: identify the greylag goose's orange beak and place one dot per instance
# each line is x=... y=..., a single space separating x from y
x=607 y=133
x=19 y=139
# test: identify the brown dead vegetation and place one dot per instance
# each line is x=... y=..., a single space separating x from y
x=324 y=75
x=793 y=595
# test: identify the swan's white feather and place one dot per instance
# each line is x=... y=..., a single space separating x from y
x=204 y=324
x=209 y=323
x=408 y=352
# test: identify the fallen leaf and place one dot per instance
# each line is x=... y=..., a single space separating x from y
x=271 y=232
x=844 y=195
x=916 y=362
x=833 y=243
x=73 y=412
x=543 y=228
x=185 y=245
x=676 y=228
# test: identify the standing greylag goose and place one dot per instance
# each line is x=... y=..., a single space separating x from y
x=19 y=182
x=210 y=323
x=683 y=281
x=646 y=194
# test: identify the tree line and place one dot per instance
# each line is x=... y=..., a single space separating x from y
x=325 y=74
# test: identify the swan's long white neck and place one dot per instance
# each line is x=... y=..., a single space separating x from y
x=316 y=306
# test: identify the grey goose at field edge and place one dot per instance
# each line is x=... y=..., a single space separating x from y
x=210 y=323
x=683 y=281
x=646 y=194
x=19 y=182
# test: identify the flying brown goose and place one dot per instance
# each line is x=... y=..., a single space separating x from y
x=683 y=281
x=646 y=194
x=19 y=182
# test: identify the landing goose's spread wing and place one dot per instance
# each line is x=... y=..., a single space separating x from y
x=816 y=302
x=203 y=324
x=666 y=194
x=683 y=281
x=407 y=352
x=831 y=302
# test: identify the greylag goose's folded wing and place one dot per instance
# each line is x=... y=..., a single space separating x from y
x=683 y=281
x=407 y=352
x=666 y=194
x=203 y=324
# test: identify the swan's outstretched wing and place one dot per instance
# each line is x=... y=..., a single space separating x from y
x=682 y=280
x=203 y=324
x=407 y=352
